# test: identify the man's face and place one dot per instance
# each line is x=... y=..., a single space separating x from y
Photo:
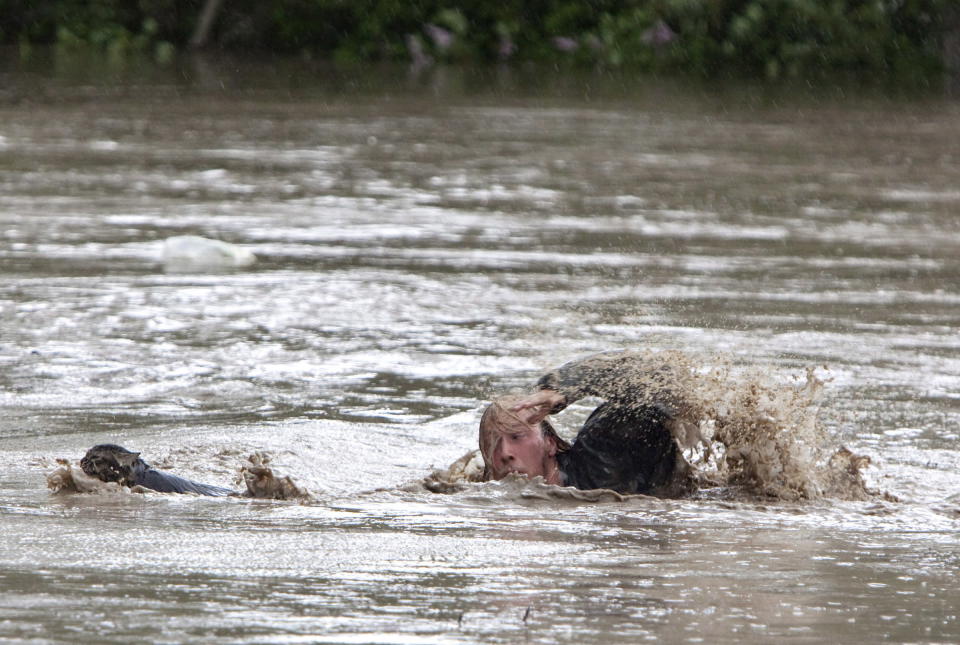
x=520 y=447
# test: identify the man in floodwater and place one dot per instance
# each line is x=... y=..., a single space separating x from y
x=626 y=445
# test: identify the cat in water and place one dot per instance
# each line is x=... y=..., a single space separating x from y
x=112 y=463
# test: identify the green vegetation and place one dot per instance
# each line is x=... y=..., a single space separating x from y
x=771 y=38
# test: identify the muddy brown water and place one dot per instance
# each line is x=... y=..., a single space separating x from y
x=425 y=242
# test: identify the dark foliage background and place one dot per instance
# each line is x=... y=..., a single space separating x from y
x=771 y=38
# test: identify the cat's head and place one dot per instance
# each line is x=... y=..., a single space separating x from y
x=110 y=463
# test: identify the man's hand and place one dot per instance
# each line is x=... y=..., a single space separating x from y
x=539 y=404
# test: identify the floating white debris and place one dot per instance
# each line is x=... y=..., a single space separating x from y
x=191 y=252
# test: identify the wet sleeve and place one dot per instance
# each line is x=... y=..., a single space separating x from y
x=625 y=445
x=625 y=379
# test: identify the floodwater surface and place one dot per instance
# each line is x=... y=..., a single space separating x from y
x=425 y=243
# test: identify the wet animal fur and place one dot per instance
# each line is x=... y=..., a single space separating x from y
x=112 y=463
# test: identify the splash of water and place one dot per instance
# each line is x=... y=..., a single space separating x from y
x=764 y=436
x=262 y=482
x=69 y=477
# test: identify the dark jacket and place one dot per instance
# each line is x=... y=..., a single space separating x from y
x=626 y=444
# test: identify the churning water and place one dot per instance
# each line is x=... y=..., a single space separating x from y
x=426 y=243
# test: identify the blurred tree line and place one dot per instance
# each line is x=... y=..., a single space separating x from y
x=772 y=38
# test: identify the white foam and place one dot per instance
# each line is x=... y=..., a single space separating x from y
x=191 y=252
